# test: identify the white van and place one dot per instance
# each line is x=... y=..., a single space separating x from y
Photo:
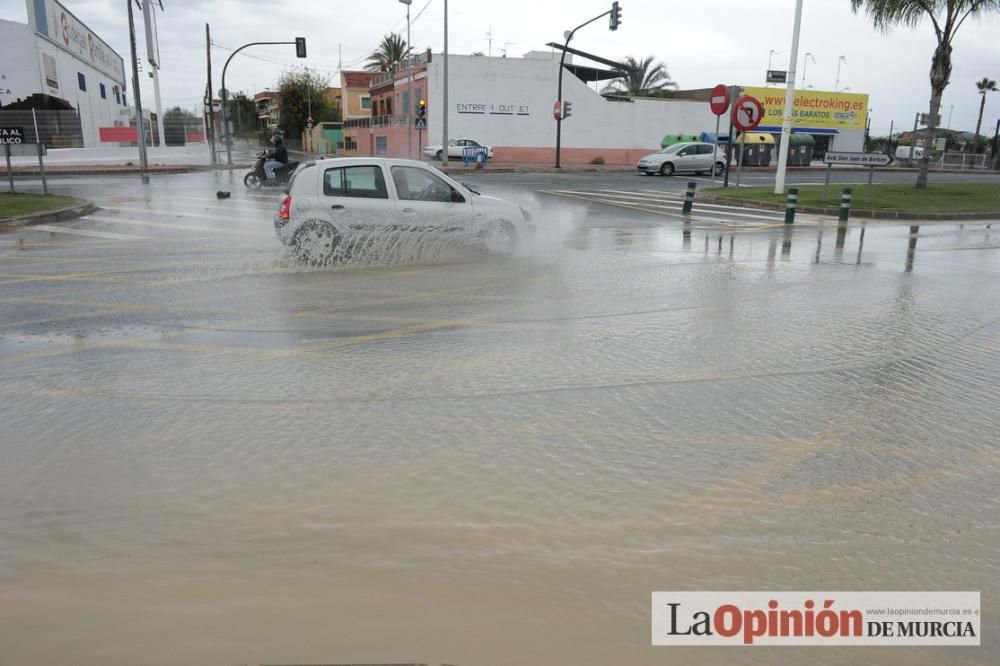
x=903 y=153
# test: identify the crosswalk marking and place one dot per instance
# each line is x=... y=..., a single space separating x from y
x=663 y=204
x=73 y=231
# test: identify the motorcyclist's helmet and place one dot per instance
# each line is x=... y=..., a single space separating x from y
x=276 y=139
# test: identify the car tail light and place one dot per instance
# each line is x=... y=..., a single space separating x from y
x=286 y=208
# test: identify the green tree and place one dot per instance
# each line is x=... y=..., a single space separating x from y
x=300 y=90
x=642 y=78
x=946 y=16
x=242 y=112
x=984 y=86
x=390 y=52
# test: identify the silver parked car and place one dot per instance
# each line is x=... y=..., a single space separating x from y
x=690 y=157
x=337 y=199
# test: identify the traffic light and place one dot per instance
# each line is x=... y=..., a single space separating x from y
x=422 y=109
x=616 y=15
x=300 y=47
x=567 y=110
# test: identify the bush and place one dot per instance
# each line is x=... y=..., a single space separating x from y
x=597 y=160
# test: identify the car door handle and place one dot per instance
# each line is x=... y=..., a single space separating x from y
x=409 y=210
x=337 y=207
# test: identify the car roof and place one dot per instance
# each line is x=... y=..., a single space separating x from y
x=352 y=161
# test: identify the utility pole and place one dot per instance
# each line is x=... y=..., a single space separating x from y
x=139 y=126
x=786 y=121
x=209 y=106
x=409 y=82
x=444 y=109
x=489 y=40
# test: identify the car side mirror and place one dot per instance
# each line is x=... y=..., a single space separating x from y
x=456 y=197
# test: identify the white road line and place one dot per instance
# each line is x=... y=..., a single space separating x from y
x=176 y=226
x=73 y=231
x=169 y=213
x=652 y=202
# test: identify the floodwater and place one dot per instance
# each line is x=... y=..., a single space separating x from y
x=211 y=455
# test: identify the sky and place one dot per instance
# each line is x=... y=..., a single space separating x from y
x=702 y=44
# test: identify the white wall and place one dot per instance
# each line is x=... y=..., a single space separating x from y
x=527 y=88
x=23 y=71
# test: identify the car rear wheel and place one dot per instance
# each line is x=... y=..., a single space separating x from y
x=499 y=236
x=437 y=155
x=251 y=181
x=315 y=242
x=667 y=169
x=719 y=168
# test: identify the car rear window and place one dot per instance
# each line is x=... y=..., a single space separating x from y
x=364 y=182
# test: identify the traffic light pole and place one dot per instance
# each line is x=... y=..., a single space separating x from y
x=225 y=94
x=562 y=61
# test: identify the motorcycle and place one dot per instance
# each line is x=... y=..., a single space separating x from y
x=256 y=177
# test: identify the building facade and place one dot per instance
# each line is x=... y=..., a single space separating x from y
x=56 y=62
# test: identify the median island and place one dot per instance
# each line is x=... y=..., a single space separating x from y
x=14 y=205
x=888 y=200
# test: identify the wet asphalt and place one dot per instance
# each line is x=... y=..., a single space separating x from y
x=213 y=454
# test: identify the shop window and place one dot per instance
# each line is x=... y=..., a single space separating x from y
x=82 y=80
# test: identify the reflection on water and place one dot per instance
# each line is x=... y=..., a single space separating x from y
x=493 y=462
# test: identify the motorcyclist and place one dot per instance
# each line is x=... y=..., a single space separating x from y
x=276 y=157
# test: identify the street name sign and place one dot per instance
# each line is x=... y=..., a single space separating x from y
x=747 y=113
x=777 y=76
x=858 y=159
x=11 y=135
x=718 y=100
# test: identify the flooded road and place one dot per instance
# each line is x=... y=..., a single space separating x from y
x=213 y=455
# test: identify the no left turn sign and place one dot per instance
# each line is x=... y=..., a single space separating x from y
x=747 y=113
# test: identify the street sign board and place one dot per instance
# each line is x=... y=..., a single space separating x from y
x=718 y=99
x=858 y=159
x=940 y=143
x=926 y=118
x=777 y=76
x=557 y=110
x=420 y=123
x=11 y=135
x=25 y=149
x=747 y=113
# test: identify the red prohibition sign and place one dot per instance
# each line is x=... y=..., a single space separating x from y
x=747 y=113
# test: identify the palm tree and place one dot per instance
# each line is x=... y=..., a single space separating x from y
x=947 y=16
x=389 y=53
x=985 y=86
x=642 y=78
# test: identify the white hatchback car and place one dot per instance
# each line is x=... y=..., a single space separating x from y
x=330 y=200
x=456 y=149
x=690 y=157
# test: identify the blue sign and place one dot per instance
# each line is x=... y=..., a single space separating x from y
x=420 y=123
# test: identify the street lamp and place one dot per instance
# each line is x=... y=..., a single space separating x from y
x=409 y=83
x=444 y=105
x=836 y=84
x=804 y=61
x=769 y=57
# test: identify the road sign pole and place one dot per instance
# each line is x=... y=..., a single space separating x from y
x=729 y=143
x=786 y=122
x=716 y=147
x=826 y=183
x=871 y=175
x=10 y=172
x=913 y=138
x=38 y=144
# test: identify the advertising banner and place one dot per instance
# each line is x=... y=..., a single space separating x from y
x=50 y=19
x=813 y=109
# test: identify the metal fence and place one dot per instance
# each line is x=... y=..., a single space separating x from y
x=964 y=161
x=56 y=129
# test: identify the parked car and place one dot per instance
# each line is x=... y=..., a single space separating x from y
x=330 y=200
x=456 y=148
x=687 y=157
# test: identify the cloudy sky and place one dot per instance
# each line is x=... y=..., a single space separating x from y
x=702 y=43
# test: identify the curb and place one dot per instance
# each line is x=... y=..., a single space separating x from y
x=85 y=208
x=835 y=211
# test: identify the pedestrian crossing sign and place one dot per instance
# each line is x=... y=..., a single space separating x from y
x=420 y=124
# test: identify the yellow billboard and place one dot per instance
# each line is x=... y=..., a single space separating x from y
x=813 y=109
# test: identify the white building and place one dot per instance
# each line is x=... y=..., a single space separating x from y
x=57 y=55
x=508 y=103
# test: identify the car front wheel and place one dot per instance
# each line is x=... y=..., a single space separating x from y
x=315 y=242
x=667 y=169
x=499 y=236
